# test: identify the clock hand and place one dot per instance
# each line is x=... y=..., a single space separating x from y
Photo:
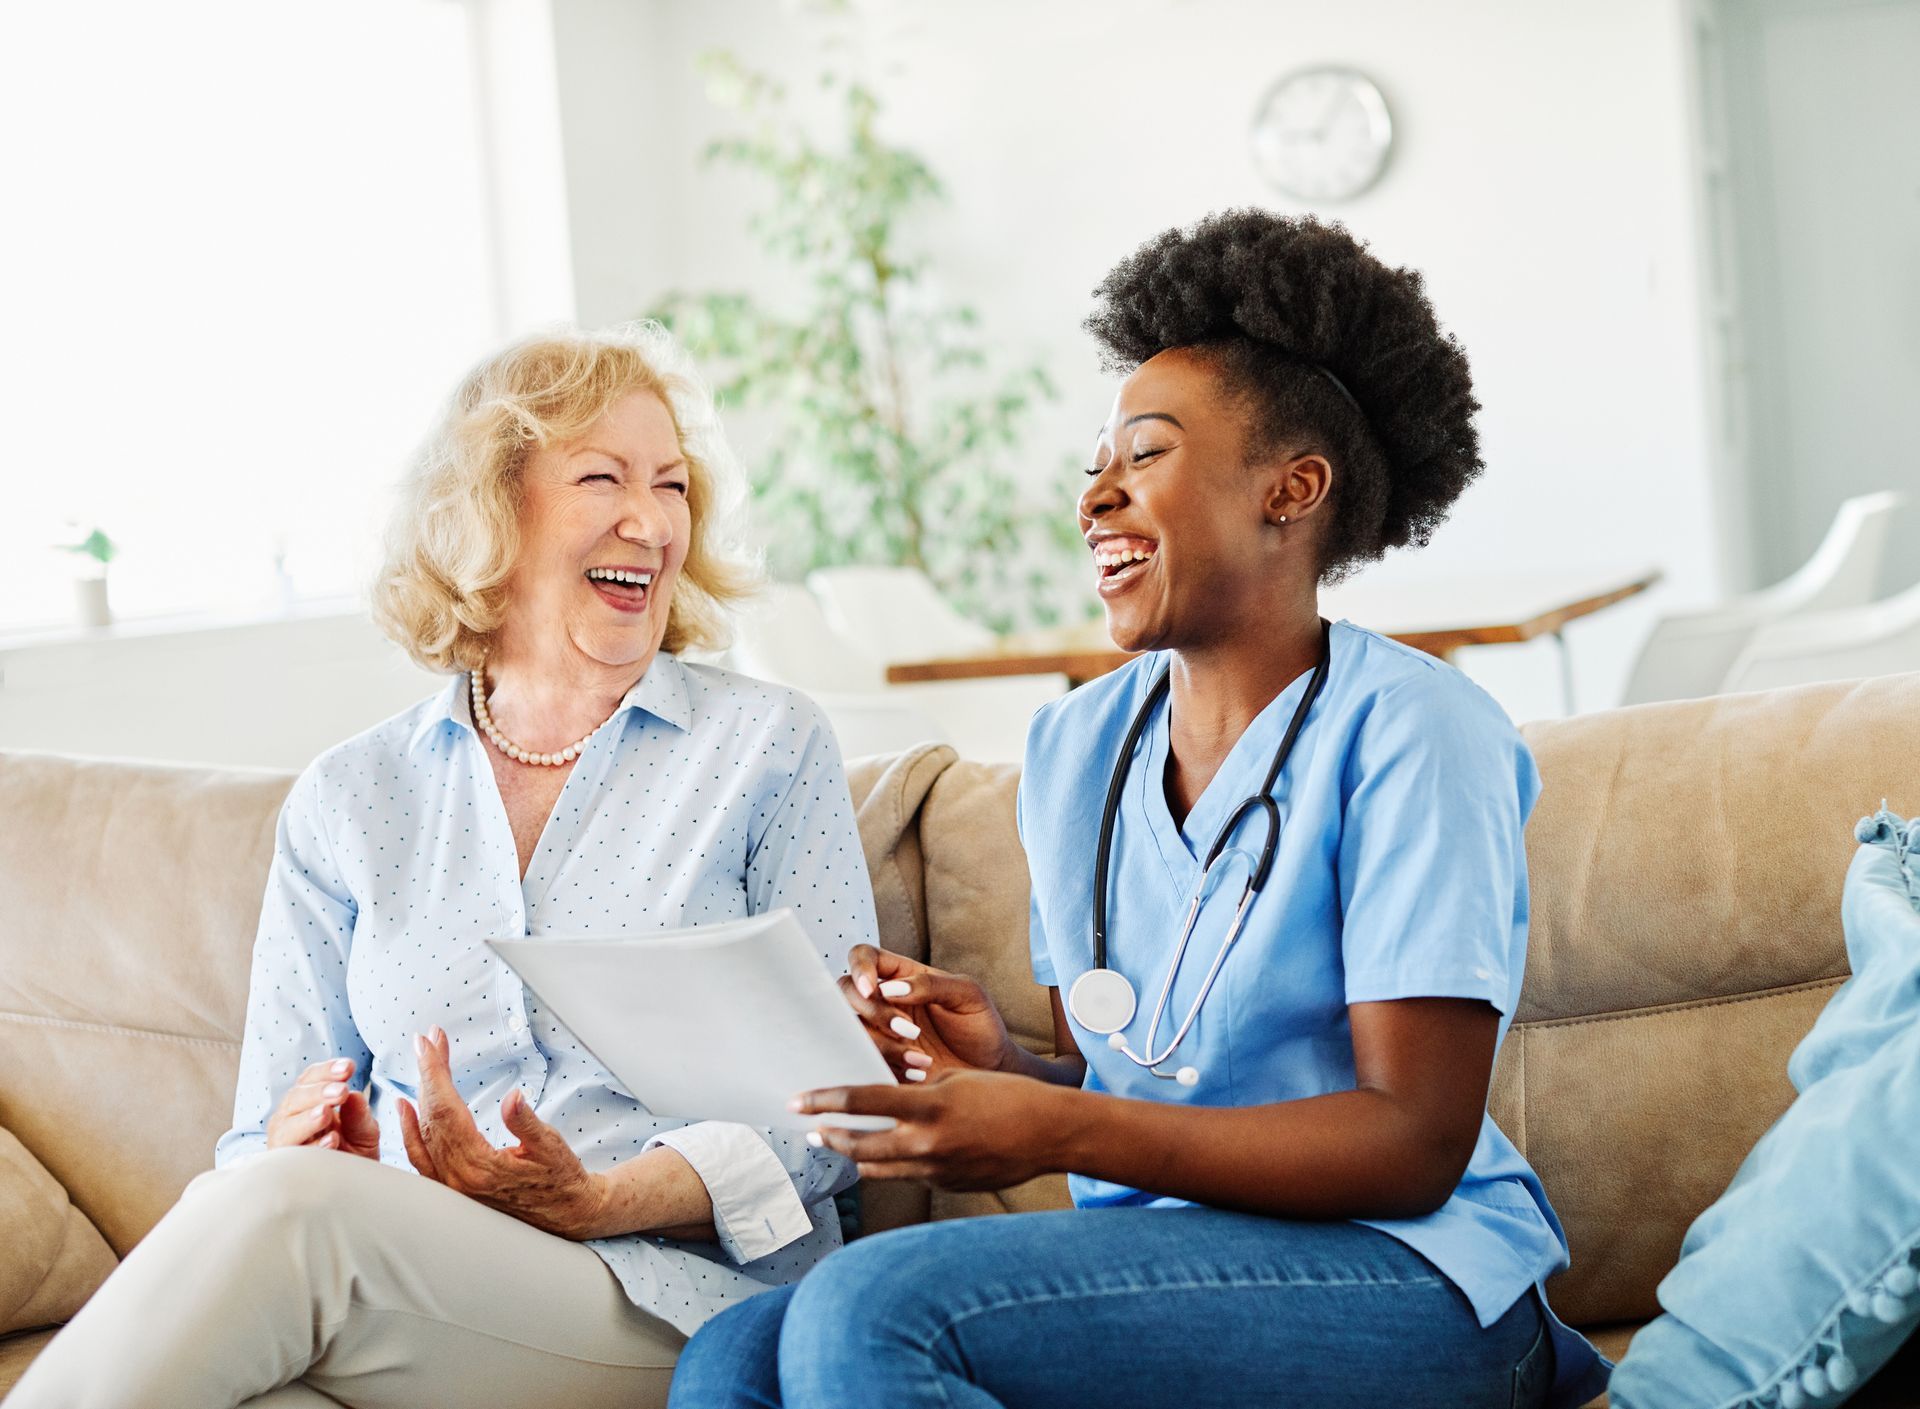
x=1327 y=117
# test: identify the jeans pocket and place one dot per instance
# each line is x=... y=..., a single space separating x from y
x=1533 y=1376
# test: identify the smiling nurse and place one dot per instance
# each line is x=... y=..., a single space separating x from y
x=1302 y=1201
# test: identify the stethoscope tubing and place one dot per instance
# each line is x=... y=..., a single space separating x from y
x=1256 y=879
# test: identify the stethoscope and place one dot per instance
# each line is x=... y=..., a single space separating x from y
x=1102 y=1000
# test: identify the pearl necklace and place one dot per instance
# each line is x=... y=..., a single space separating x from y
x=508 y=746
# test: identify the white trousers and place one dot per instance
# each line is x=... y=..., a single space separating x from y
x=310 y=1277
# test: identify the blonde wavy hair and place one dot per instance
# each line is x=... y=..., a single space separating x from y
x=454 y=537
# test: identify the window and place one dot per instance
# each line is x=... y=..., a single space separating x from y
x=246 y=256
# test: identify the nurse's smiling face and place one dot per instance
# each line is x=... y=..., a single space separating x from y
x=1187 y=542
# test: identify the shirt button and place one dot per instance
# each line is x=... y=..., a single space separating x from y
x=517 y=1023
x=1483 y=973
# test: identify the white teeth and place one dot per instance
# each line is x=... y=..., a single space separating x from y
x=643 y=579
x=1128 y=555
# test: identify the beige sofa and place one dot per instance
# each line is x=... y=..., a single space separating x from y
x=1686 y=863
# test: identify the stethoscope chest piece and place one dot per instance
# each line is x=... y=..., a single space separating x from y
x=1101 y=1000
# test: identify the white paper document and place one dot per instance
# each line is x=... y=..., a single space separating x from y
x=716 y=1022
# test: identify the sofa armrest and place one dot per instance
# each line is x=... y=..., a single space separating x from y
x=55 y=1257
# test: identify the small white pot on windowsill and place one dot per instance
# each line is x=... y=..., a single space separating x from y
x=94 y=551
x=90 y=597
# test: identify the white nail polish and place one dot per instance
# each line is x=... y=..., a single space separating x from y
x=895 y=988
x=904 y=1028
x=865 y=985
x=915 y=1074
x=816 y=1139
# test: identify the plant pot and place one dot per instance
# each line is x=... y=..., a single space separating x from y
x=90 y=596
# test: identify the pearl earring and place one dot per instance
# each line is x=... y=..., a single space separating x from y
x=1283 y=518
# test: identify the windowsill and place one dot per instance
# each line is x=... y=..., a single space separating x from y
x=179 y=624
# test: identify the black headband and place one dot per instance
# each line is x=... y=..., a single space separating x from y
x=1340 y=387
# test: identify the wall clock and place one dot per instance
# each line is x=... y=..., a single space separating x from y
x=1322 y=134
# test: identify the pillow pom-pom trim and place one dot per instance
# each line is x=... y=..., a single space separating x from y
x=1879 y=828
x=1827 y=1370
x=1898 y=835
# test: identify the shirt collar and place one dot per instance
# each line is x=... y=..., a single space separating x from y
x=450 y=703
x=662 y=692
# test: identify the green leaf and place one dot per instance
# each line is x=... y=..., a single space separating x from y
x=95 y=545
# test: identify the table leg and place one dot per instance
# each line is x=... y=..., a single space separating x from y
x=1566 y=671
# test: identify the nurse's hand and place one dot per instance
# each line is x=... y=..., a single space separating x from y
x=321 y=1110
x=925 y=1021
x=538 y=1181
x=975 y=1130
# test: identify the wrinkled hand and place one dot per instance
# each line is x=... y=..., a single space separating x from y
x=974 y=1130
x=539 y=1181
x=321 y=1110
x=925 y=1021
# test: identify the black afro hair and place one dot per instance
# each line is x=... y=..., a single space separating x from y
x=1272 y=298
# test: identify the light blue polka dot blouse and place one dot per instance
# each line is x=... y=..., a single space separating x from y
x=708 y=796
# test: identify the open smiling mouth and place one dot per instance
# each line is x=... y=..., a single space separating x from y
x=624 y=588
x=1118 y=569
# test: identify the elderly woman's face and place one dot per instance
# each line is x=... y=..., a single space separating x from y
x=604 y=530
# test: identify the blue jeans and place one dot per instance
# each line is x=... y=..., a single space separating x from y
x=1124 y=1308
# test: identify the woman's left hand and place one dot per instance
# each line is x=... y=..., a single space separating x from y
x=539 y=1181
x=972 y=1130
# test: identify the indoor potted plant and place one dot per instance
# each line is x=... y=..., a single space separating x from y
x=90 y=588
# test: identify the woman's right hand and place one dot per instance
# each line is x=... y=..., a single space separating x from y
x=321 y=1110
x=925 y=1021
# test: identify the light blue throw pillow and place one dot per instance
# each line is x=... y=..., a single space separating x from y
x=1801 y=1280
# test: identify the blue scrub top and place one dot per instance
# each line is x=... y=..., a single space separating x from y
x=1400 y=873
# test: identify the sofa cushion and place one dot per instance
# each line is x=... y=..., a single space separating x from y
x=16 y=1353
x=1801 y=1280
x=1648 y=1109
x=1686 y=861
x=977 y=907
x=977 y=893
x=54 y=1257
x=887 y=792
x=133 y=892
x=1694 y=849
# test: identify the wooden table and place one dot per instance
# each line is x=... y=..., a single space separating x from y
x=1435 y=617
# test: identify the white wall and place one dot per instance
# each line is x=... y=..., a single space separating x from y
x=1540 y=179
x=1823 y=97
x=610 y=76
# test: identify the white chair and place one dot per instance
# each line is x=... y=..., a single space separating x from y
x=783 y=637
x=1689 y=654
x=896 y=611
x=896 y=614
x=1882 y=638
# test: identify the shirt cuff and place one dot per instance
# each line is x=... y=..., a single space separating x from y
x=756 y=1211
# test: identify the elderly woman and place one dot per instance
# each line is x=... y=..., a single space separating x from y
x=431 y=1192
